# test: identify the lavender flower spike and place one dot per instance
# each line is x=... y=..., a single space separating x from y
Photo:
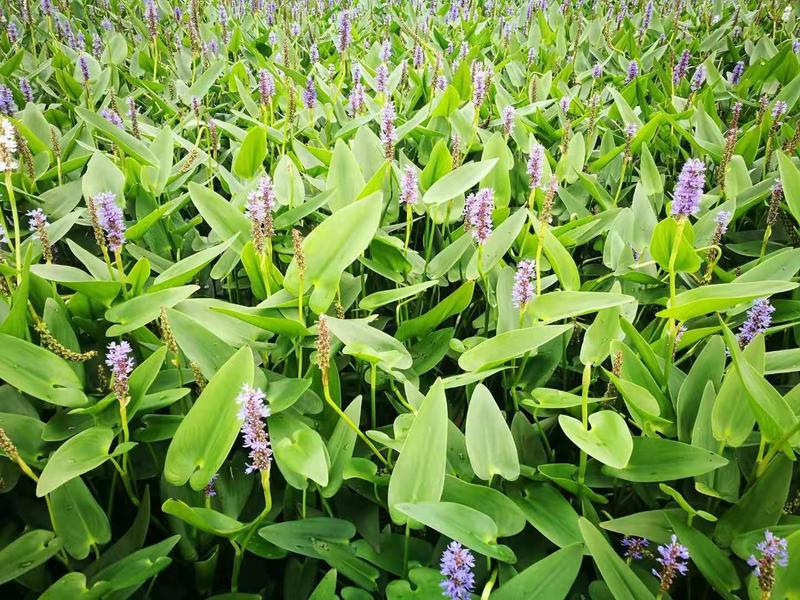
x=635 y=548
x=121 y=363
x=774 y=551
x=456 y=566
x=508 y=116
x=759 y=318
x=673 y=562
x=111 y=220
x=698 y=78
x=721 y=220
x=7 y=105
x=478 y=209
x=260 y=205
x=536 y=166
x=310 y=94
x=689 y=189
x=388 y=131
x=409 y=186
x=266 y=86
x=679 y=71
x=633 y=71
x=8 y=146
x=3 y=237
x=522 y=292
x=737 y=72
x=253 y=411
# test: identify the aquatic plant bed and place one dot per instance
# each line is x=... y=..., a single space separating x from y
x=481 y=299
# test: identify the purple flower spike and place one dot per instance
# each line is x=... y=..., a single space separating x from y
x=774 y=551
x=478 y=209
x=381 y=77
x=456 y=566
x=673 y=562
x=509 y=114
x=343 y=41
x=597 y=71
x=689 y=189
x=635 y=547
x=759 y=318
x=313 y=53
x=260 y=206
x=211 y=490
x=111 y=220
x=409 y=186
x=7 y=105
x=37 y=220
x=253 y=411
x=698 y=78
x=112 y=117
x=388 y=131
x=736 y=74
x=779 y=110
x=480 y=83
x=121 y=363
x=536 y=166
x=26 y=89
x=679 y=72
x=522 y=292
x=266 y=86
x=633 y=71
x=3 y=237
x=310 y=94
x=721 y=220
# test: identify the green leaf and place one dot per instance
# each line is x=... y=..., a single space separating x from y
x=78 y=455
x=369 y=343
x=509 y=345
x=39 y=373
x=719 y=297
x=656 y=459
x=78 y=518
x=102 y=175
x=551 y=577
x=340 y=447
x=490 y=445
x=251 y=153
x=385 y=297
x=27 y=552
x=119 y=136
x=502 y=510
x=466 y=525
x=418 y=475
x=551 y=514
x=204 y=519
x=555 y=306
x=300 y=452
x=457 y=182
x=345 y=179
x=439 y=164
x=224 y=218
x=498 y=244
x=451 y=305
x=621 y=580
x=790 y=179
x=141 y=310
x=608 y=440
x=208 y=431
x=664 y=237
x=183 y=271
x=775 y=417
x=330 y=248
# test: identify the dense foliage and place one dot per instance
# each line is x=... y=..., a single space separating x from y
x=405 y=300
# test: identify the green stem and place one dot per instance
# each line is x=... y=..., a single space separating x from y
x=487 y=590
x=587 y=379
x=15 y=217
x=373 y=375
x=121 y=269
x=408 y=226
x=349 y=422
x=239 y=550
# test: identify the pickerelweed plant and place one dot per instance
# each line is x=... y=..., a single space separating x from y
x=377 y=299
